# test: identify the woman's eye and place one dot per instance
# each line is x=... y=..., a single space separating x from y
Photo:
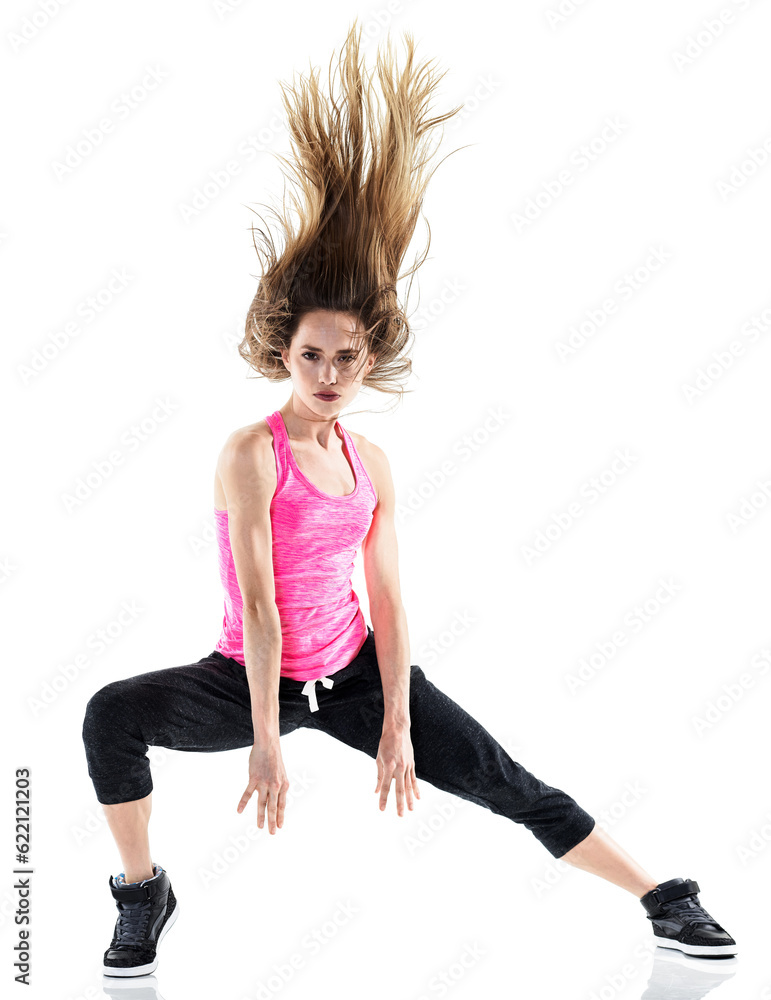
x=346 y=358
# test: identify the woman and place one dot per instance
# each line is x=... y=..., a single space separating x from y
x=296 y=495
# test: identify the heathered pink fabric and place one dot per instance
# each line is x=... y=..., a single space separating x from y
x=315 y=540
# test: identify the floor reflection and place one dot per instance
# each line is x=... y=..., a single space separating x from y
x=131 y=988
x=675 y=976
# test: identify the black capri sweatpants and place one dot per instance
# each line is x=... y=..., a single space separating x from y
x=206 y=707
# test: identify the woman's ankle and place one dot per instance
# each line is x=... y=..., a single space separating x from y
x=138 y=874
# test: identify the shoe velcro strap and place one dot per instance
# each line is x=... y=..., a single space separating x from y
x=659 y=896
x=137 y=895
x=675 y=891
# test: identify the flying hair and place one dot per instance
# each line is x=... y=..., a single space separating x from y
x=359 y=170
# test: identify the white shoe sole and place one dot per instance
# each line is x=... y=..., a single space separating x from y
x=142 y=970
x=702 y=951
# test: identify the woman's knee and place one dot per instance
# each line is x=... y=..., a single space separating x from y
x=114 y=745
x=103 y=708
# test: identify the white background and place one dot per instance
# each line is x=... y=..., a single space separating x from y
x=495 y=299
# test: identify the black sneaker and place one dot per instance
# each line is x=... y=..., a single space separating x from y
x=145 y=913
x=681 y=922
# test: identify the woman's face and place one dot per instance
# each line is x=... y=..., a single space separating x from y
x=325 y=356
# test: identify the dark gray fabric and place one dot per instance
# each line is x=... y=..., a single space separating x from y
x=206 y=707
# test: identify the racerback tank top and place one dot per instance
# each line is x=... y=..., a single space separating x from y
x=315 y=540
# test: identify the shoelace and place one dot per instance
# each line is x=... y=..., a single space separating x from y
x=690 y=912
x=133 y=921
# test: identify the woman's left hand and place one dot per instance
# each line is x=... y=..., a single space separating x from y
x=396 y=761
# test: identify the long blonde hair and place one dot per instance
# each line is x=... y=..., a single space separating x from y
x=361 y=175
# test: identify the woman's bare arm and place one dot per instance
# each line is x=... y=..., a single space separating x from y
x=246 y=468
x=395 y=756
x=381 y=571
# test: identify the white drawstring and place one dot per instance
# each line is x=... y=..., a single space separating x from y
x=310 y=690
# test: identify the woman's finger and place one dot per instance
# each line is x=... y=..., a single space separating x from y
x=245 y=797
x=408 y=785
x=386 y=785
x=272 y=807
x=262 y=801
x=281 y=805
x=399 y=781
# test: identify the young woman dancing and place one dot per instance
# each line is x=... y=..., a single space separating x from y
x=296 y=495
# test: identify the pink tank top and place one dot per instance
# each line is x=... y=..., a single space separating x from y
x=315 y=540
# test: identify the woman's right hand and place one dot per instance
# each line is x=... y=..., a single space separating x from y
x=268 y=778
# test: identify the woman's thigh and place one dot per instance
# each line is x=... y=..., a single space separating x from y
x=452 y=749
x=203 y=706
x=454 y=752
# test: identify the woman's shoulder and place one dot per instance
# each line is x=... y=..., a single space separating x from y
x=245 y=462
x=249 y=444
x=250 y=434
x=375 y=463
x=367 y=448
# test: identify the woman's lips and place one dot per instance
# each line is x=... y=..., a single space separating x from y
x=327 y=395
